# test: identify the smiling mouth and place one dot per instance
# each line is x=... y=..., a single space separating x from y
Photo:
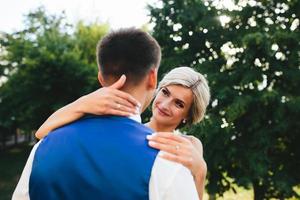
x=162 y=112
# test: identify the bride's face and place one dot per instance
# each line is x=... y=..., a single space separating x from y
x=172 y=104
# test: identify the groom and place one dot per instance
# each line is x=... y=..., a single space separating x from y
x=107 y=157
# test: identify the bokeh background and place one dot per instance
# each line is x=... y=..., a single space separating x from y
x=249 y=50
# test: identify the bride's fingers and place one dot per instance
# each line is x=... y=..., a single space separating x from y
x=175 y=148
x=185 y=160
x=164 y=147
x=119 y=113
x=119 y=83
x=162 y=140
x=172 y=136
x=126 y=97
x=191 y=138
x=122 y=108
x=116 y=106
x=117 y=100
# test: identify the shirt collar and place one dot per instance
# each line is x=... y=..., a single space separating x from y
x=136 y=118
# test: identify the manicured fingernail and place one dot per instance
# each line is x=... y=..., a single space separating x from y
x=151 y=143
x=149 y=137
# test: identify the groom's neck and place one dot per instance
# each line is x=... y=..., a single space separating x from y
x=140 y=94
x=139 y=91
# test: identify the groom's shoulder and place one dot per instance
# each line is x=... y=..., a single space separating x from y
x=107 y=123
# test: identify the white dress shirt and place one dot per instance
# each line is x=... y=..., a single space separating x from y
x=168 y=181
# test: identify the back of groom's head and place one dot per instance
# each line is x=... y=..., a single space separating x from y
x=129 y=51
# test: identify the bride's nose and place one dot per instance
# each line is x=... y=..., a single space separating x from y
x=165 y=104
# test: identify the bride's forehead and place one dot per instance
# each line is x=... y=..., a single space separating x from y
x=179 y=91
x=177 y=87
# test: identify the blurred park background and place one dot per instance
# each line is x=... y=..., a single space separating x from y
x=248 y=49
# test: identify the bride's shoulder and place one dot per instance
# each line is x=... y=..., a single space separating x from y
x=178 y=132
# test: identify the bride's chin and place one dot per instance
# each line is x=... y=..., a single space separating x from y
x=158 y=115
x=162 y=120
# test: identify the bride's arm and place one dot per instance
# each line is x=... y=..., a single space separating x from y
x=106 y=100
x=200 y=174
x=59 y=118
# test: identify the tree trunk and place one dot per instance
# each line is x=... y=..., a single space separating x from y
x=3 y=139
x=28 y=136
x=259 y=191
x=16 y=136
x=212 y=197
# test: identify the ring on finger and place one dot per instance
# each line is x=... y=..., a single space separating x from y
x=118 y=105
x=177 y=147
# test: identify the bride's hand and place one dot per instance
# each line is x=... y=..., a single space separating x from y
x=187 y=150
x=108 y=100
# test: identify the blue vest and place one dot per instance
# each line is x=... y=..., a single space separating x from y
x=94 y=158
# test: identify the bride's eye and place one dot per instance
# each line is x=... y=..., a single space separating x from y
x=179 y=104
x=165 y=92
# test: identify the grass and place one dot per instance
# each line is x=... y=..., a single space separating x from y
x=12 y=162
x=241 y=194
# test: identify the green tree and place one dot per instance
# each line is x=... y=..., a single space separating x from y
x=87 y=37
x=252 y=60
x=47 y=65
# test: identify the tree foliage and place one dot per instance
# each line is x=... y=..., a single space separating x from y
x=46 y=65
x=250 y=53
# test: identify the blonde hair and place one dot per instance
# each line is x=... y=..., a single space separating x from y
x=195 y=81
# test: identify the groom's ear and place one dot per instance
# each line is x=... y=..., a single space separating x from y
x=152 y=78
x=100 y=79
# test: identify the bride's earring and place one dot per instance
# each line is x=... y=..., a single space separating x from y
x=184 y=121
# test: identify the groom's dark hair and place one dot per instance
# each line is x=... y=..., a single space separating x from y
x=129 y=51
